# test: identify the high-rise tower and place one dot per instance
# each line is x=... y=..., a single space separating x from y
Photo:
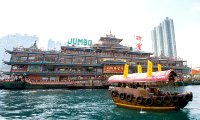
x=163 y=39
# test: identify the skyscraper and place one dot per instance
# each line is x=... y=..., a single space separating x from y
x=54 y=45
x=163 y=39
x=154 y=42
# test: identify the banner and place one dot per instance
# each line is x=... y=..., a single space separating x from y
x=194 y=72
x=139 y=69
x=113 y=69
x=139 y=42
x=149 y=70
x=159 y=67
x=126 y=68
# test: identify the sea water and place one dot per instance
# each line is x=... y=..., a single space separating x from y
x=83 y=104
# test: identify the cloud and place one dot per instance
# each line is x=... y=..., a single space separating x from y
x=196 y=8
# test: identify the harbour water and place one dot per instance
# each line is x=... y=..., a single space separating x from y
x=83 y=105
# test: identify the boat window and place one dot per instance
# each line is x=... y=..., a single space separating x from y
x=19 y=57
x=44 y=78
x=52 y=78
x=35 y=57
x=34 y=68
x=114 y=84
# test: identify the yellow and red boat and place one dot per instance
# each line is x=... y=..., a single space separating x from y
x=138 y=91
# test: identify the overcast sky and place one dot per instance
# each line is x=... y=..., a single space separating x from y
x=91 y=19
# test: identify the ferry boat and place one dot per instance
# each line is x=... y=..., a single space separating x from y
x=138 y=91
x=77 y=67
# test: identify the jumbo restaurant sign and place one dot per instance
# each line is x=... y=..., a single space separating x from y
x=113 y=69
x=79 y=41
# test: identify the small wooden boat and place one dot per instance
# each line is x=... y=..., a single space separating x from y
x=138 y=91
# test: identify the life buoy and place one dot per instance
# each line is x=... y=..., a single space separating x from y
x=149 y=101
x=139 y=99
x=114 y=93
x=158 y=100
x=129 y=98
x=187 y=97
x=122 y=96
x=175 y=99
x=167 y=100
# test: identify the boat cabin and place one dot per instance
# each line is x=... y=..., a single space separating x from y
x=139 y=91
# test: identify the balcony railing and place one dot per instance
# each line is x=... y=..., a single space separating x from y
x=56 y=73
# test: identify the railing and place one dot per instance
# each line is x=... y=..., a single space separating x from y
x=47 y=82
x=54 y=73
x=8 y=79
x=53 y=63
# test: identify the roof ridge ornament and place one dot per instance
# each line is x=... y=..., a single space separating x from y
x=34 y=43
x=110 y=35
x=34 y=46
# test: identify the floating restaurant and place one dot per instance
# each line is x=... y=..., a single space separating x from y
x=79 y=67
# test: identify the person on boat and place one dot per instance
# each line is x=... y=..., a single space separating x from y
x=134 y=86
x=123 y=85
x=119 y=84
x=147 y=88
x=157 y=91
x=137 y=85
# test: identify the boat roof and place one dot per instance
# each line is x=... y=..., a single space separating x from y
x=162 y=76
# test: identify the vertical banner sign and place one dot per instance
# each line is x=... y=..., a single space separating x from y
x=126 y=68
x=199 y=71
x=159 y=67
x=139 y=42
x=149 y=71
x=139 y=69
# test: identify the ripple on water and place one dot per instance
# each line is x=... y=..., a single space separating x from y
x=83 y=104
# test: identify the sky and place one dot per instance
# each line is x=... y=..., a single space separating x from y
x=63 y=19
